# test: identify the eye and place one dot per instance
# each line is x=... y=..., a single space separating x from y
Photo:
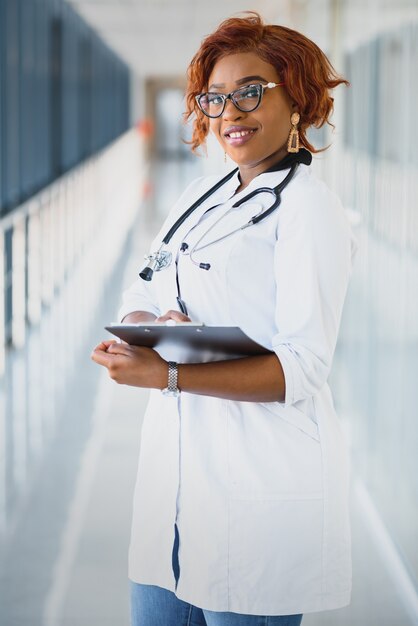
x=214 y=98
x=252 y=91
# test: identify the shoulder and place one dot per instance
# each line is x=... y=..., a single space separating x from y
x=194 y=190
x=203 y=183
x=310 y=200
x=310 y=189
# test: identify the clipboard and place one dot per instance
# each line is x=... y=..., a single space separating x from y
x=189 y=342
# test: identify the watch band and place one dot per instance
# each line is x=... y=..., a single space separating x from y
x=172 y=389
x=172 y=376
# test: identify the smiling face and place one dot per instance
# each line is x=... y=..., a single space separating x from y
x=264 y=132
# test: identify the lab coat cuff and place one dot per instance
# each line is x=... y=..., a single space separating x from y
x=282 y=354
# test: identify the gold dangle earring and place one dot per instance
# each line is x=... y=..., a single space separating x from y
x=293 y=141
x=225 y=157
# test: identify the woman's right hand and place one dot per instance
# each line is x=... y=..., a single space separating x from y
x=173 y=315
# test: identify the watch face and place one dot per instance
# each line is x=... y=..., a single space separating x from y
x=171 y=393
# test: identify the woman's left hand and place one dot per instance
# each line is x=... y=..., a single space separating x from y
x=132 y=365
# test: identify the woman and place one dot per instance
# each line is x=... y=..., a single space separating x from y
x=241 y=503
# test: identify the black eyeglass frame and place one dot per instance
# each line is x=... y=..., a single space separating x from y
x=230 y=96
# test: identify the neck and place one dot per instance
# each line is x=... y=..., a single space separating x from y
x=249 y=171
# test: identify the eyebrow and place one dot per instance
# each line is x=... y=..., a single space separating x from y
x=240 y=81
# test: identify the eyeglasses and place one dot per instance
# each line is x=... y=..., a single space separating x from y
x=246 y=99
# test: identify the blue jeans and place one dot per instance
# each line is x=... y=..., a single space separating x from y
x=155 y=606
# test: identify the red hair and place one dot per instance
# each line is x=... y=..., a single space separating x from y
x=303 y=67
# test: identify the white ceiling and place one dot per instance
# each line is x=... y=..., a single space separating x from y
x=159 y=37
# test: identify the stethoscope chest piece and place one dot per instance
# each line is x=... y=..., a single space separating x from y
x=156 y=262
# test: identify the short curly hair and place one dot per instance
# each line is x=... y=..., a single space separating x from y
x=303 y=67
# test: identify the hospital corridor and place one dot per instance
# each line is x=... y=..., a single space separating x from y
x=94 y=152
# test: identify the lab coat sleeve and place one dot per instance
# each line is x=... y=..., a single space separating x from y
x=312 y=265
x=139 y=296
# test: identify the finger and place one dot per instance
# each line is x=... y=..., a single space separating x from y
x=177 y=316
x=101 y=357
x=119 y=348
x=104 y=345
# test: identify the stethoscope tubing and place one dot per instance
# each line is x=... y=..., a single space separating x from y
x=195 y=205
x=162 y=259
x=254 y=220
x=276 y=191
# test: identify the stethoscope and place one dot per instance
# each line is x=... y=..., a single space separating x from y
x=161 y=259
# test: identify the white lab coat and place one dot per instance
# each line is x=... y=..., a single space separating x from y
x=259 y=490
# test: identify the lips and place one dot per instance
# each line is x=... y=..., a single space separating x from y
x=237 y=135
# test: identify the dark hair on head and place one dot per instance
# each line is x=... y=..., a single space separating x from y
x=303 y=67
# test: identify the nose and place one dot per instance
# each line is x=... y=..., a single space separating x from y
x=231 y=112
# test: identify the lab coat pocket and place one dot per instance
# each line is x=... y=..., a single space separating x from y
x=295 y=417
x=269 y=456
x=275 y=550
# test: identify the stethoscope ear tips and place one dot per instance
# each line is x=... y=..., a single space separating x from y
x=204 y=266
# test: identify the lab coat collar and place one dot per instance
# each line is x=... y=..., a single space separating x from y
x=303 y=156
x=268 y=176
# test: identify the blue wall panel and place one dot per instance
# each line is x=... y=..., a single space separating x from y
x=11 y=100
x=63 y=95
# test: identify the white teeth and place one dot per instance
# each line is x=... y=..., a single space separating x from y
x=241 y=133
